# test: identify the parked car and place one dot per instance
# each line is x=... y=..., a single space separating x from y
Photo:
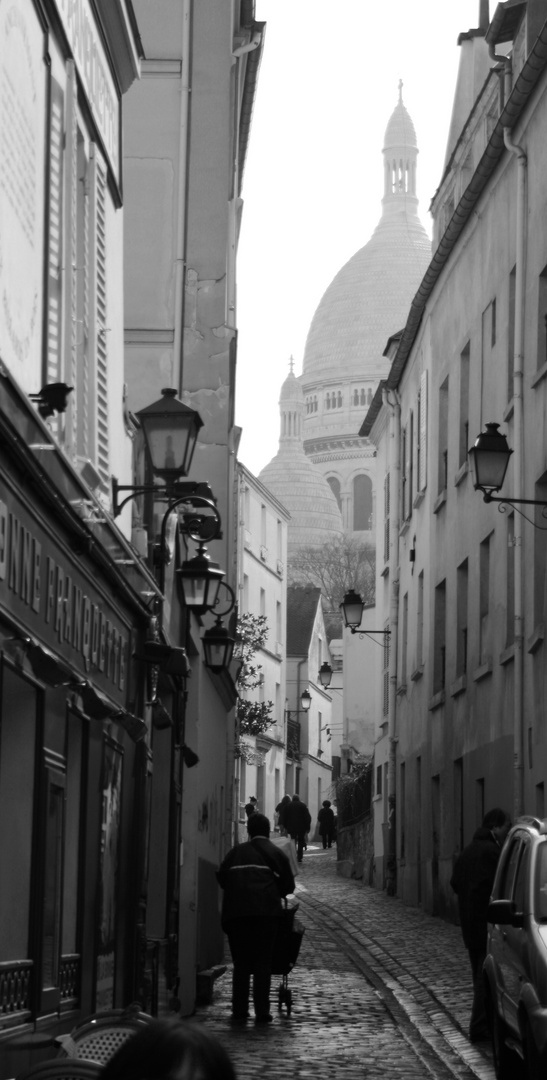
x=515 y=969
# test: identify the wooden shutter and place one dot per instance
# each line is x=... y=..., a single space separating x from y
x=70 y=257
x=55 y=238
x=99 y=315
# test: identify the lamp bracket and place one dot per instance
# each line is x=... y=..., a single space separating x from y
x=504 y=503
x=368 y=633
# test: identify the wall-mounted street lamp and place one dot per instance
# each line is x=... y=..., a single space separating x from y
x=489 y=459
x=170 y=431
x=325 y=676
x=352 y=608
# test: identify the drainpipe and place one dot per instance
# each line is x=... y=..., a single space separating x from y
x=182 y=196
x=392 y=401
x=518 y=468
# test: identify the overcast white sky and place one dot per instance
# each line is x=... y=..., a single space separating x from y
x=313 y=181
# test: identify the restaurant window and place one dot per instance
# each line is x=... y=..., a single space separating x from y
x=17 y=785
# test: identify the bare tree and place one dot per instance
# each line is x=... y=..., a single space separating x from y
x=336 y=567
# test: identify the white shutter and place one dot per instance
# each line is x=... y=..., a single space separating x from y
x=422 y=434
x=99 y=316
x=55 y=237
x=70 y=259
x=386 y=517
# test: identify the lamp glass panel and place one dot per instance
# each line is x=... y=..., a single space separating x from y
x=218 y=652
x=352 y=612
x=171 y=442
x=489 y=468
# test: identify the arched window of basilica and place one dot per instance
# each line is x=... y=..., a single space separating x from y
x=362 y=503
x=355 y=397
x=363 y=397
x=334 y=485
x=327 y=401
x=369 y=398
x=339 y=400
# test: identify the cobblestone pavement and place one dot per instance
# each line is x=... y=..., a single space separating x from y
x=379 y=990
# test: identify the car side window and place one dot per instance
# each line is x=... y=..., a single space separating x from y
x=541 y=883
x=509 y=870
x=519 y=891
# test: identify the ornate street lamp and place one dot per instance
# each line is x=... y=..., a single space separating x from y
x=305 y=701
x=489 y=458
x=170 y=431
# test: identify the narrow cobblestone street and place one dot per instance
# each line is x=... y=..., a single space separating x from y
x=379 y=990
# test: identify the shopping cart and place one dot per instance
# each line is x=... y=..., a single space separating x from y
x=287 y=948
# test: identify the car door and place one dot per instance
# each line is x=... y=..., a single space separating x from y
x=503 y=890
x=515 y=945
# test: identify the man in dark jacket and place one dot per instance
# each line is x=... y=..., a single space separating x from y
x=325 y=818
x=254 y=876
x=472 y=881
x=297 y=821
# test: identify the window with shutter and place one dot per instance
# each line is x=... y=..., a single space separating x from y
x=70 y=255
x=99 y=316
x=55 y=237
x=422 y=434
x=386 y=517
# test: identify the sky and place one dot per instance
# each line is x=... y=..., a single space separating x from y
x=313 y=180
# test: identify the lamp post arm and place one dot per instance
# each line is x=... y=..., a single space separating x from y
x=515 y=503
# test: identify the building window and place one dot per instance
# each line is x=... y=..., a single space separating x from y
x=511 y=335
x=461 y=616
x=421 y=435
x=362 y=503
x=484 y=601
x=442 y=470
x=404 y=648
x=334 y=485
x=420 y=623
x=386 y=518
x=510 y=582
x=464 y=405
x=439 y=655
x=542 y=319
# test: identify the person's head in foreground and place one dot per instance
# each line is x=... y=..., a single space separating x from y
x=258 y=825
x=170 y=1050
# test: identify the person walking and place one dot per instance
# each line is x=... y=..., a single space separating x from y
x=255 y=876
x=472 y=881
x=297 y=820
x=325 y=818
x=251 y=807
x=280 y=811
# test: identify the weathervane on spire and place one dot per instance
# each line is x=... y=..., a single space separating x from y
x=291 y=365
x=400 y=90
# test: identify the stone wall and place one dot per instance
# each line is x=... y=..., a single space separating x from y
x=355 y=844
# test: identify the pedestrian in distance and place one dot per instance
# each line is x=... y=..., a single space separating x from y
x=170 y=1050
x=297 y=820
x=280 y=811
x=255 y=876
x=252 y=806
x=325 y=818
x=472 y=881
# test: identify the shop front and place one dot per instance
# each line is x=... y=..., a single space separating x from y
x=74 y=608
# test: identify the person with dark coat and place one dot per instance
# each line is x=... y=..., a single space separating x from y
x=297 y=819
x=280 y=811
x=472 y=881
x=251 y=807
x=254 y=876
x=325 y=818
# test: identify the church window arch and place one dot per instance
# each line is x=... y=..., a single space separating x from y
x=334 y=485
x=363 y=396
x=315 y=403
x=355 y=397
x=327 y=401
x=362 y=503
x=369 y=397
x=339 y=399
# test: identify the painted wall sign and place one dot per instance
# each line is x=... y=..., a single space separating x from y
x=22 y=110
x=99 y=87
x=57 y=602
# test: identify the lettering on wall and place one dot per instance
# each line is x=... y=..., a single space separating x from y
x=46 y=587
